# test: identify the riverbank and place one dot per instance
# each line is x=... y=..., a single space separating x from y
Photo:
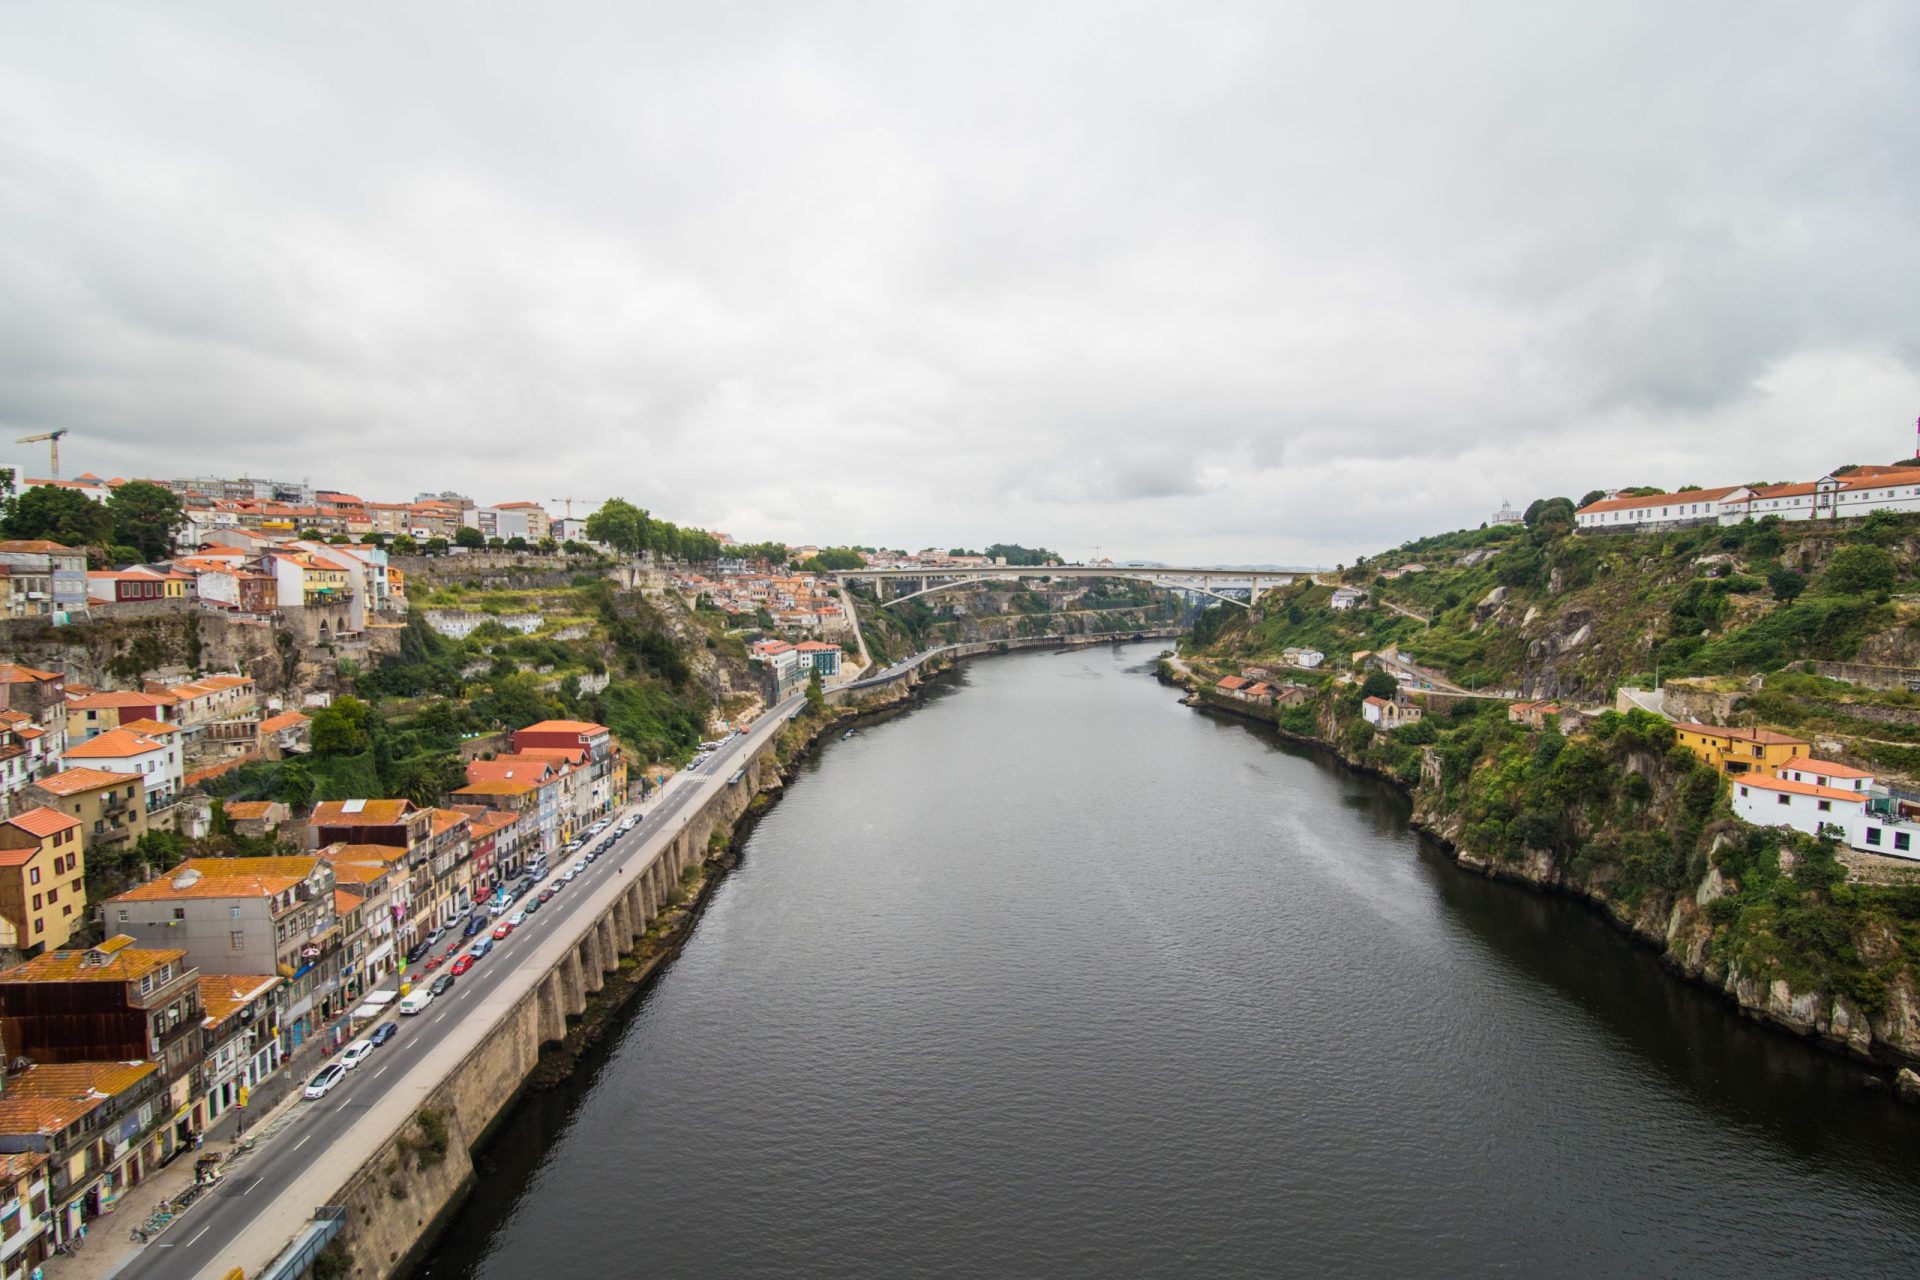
x=1876 y=1023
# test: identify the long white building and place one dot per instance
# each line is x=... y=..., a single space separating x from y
x=1819 y=797
x=1832 y=497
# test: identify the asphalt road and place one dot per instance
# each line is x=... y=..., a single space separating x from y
x=207 y=1240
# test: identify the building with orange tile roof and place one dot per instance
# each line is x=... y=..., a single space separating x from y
x=1736 y=752
x=119 y=751
x=43 y=894
x=240 y=1012
x=110 y=807
x=60 y=1112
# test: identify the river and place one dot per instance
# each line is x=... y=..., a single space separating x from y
x=1052 y=976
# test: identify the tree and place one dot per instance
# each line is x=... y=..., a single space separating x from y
x=148 y=516
x=436 y=546
x=340 y=729
x=1786 y=584
x=620 y=525
x=816 y=695
x=834 y=560
x=1379 y=684
x=1592 y=497
x=404 y=545
x=1858 y=571
x=548 y=546
x=469 y=537
x=59 y=515
x=517 y=543
x=311 y=534
x=573 y=548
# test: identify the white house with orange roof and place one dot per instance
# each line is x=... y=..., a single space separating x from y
x=1826 y=798
x=1659 y=510
x=1857 y=492
x=158 y=763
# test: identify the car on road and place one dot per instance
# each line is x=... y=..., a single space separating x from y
x=533 y=905
x=475 y=923
x=444 y=983
x=545 y=895
x=566 y=877
x=327 y=1077
x=460 y=966
x=479 y=949
x=579 y=866
x=357 y=1052
x=517 y=919
x=502 y=930
x=383 y=1033
x=433 y=935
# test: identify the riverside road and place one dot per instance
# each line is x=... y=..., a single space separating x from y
x=269 y=1194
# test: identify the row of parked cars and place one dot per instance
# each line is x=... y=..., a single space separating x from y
x=496 y=918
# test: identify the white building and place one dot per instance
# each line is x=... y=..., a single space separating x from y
x=1347 y=598
x=1307 y=658
x=1387 y=716
x=158 y=762
x=1858 y=493
x=1819 y=797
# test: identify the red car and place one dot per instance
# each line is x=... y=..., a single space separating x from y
x=461 y=965
x=502 y=929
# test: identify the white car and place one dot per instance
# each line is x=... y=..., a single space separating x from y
x=579 y=866
x=357 y=1052
x=517 y=919
x=329 y=1076
x=566 y=877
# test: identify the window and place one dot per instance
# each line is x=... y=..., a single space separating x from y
x=233 y=912
x=237 y=940
x=36 y=902
x=1873 y=835
x=33 y=875
x=179 y=913
x=1784 y=798
x=1743 y=791
x=1825 y=806
x=1901 y=840
x=53 y=895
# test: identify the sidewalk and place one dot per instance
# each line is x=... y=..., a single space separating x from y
x=110 y=1246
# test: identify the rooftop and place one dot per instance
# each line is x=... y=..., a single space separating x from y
x=224 y=994
x=73 y=782
x=115 y=960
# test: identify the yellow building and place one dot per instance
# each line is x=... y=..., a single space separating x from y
x=1737 y=751
x=42 y=880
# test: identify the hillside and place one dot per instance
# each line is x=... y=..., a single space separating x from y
x=1542 y=612
x=1005 y=609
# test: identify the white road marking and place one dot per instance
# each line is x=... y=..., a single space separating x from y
x=202 y=1231
x=301 y=1143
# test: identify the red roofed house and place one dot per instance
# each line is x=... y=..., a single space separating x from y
x=606 y=768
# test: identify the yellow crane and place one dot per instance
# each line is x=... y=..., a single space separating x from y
x=53 y=445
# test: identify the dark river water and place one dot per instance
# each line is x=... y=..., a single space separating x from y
x=1052 y=976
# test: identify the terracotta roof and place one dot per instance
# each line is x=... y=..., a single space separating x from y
x=72 y=782
x=1232 y=682
x=122 y=699
x=223 y=995
x=344 y=902
x=150 y=729
x=38 y=545
x=248 y=810
x=224 y=878
x=546 y=755
x=50 y=1080
x=1760 y=737
x=194 y=777
x=495 y=789
x=565 y=726
x=113 y=744
x=123 y=962
x=285 y=720
x=348 y=871
x=1807 y=764
x=369 y=813
x=445 y=820
x=383 y=854
x=42 y=822
x=1659 y=500
x=1768 y=783
x=14 y=673
x=1377 y=702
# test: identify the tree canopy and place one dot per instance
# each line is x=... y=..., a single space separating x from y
x=147 y=517
x=59 y=515
x=632 y=531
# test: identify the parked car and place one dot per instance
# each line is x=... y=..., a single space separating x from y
x=517 y=919
x=444 y=983
x=475 y=924
x=383 y=1033
x=416 y=1001
x=416 y=952
x=579 y=866
x=545 y=895
x=433 y=935
x=460 y=966
x=322 y=1083
x=533 y=905
x=479 y=949
x=501 y=930
x=566 y=877
x=356 y=1053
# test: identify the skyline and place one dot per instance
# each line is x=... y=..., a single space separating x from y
x=1247 y=283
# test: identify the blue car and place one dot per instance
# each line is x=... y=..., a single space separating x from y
x=480 y=948
x=383 y=1033
x=475 y=924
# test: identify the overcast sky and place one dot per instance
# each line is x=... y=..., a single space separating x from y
x=1230 y=282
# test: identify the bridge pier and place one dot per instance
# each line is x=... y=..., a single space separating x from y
x=593 y=970
x=573 y=989
x=552 y=1009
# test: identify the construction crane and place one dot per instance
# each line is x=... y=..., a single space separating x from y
x=568 y=501
x=53 y=445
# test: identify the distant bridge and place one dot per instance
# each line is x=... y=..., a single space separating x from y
x=1204 y=581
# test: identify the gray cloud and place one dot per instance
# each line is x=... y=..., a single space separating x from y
x=1237 y=280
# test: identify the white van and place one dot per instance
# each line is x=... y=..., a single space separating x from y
x=415 y=1002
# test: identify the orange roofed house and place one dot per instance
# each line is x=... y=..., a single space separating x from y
x=43 y=886
x=111 y=807
x=245 y=916
x=606 y=767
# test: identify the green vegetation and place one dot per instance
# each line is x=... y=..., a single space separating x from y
x=630 y=529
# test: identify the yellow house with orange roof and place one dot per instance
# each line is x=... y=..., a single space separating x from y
x=43 y=886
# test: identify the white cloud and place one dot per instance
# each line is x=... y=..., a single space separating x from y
x=1242 y=281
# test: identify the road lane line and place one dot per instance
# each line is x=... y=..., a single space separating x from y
x=301 y=1143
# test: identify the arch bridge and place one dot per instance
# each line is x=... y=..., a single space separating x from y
x=1215 y=583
